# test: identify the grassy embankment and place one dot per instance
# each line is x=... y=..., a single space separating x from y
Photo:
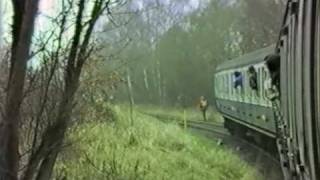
x=179 y=113
x=146 y=149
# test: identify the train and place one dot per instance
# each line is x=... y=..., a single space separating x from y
x=272 y=95
x=245 y=106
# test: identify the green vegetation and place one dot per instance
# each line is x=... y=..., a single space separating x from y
x=179 y=113
x=145 y=149
x=60 y=65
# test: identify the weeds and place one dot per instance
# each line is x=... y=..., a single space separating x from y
x=179 y=113
x=148 y=149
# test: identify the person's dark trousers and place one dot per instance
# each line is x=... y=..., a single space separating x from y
x=204 y=115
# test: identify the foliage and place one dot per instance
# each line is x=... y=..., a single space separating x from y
x=147 y=150
x=170 y=60
x=259 y=23
x=96 y=93
x=177 y=56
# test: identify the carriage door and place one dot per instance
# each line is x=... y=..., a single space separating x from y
x=317 y=86
x=291 y=95
x=288 y=126
x=300 y=111
x=314 y=125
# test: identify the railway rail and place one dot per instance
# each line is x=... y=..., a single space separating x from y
x=267 y=164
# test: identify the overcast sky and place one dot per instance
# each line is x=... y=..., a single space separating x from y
x=48 y=8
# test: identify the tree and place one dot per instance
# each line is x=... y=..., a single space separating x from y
x=259 y=23
x=22 y=30
x=42 y=161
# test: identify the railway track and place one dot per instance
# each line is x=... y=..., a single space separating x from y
x=266 y=164
x=213 y=128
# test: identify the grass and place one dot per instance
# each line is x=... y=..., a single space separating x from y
x=179 y=113
x=146 y=149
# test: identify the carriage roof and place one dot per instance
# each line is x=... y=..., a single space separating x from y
x=254 y=57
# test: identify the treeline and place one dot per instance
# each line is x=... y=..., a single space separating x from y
x=177 y=65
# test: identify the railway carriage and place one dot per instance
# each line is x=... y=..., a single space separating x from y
x=295 y=123
x=250 y=108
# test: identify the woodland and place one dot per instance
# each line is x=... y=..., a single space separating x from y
x=76 y=64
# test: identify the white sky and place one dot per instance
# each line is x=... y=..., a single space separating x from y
x=46 y=5
x=6 y=16
x=49 y=7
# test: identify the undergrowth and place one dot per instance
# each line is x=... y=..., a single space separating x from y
x=145 y=148
x=180 y=113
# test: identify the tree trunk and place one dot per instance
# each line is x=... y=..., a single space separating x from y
x=44 y=158
x=45 y=171
x=146 y=82
x=159 y=81
x=130 y=95
x=23 y=24
x=41 y=164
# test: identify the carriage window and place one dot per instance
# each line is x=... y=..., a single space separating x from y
x=238 y=79
x=246 y=87
x=242 y=89
x=265 y=78
x=228 y=86
x=231 y=89
x=223 y=86
x=225 y=89
x=251 y=84
x=252 y=77
x=260 y=82
x=238 y=82
x=217 y=85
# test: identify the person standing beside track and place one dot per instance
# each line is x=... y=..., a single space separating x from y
x=203 y=106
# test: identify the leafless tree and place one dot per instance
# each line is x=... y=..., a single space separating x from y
x=22 y=30
x=40 y=164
